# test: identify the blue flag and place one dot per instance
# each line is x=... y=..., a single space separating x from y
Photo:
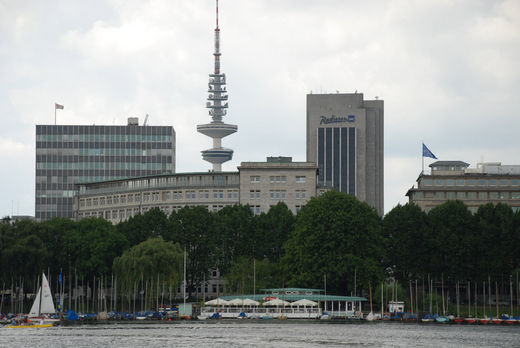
x=60 y=278
x=427 y=153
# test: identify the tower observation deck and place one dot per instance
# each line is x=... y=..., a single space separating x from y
x=217 y=105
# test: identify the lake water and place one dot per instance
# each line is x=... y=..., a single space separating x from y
x=272 y=333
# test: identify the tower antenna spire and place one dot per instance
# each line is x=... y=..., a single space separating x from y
x=217 y=14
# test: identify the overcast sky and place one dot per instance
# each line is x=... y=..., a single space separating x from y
x=448 y=71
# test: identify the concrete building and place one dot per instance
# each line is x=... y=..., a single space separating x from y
x=257 y=184
x=454 y=180
x=345 y=139
x=264 y=184
x=70 y=154
x=117 y=200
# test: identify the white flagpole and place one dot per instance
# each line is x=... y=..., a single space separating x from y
x=422 y=156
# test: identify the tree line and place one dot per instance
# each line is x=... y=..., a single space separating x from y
x=335 y=239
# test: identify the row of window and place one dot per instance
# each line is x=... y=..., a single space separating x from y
x=158 y=196
x=470 y=182
x=103 y=165
x=473 y=210
x=277 y=179
x=277 y=194
x=105 y=137
x=122 y=214
x=468 y=195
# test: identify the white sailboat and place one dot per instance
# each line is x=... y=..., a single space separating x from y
x=43 y=304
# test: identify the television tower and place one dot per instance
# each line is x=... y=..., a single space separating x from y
x=217 y=105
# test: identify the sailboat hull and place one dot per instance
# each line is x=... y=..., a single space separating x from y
x=28 y=326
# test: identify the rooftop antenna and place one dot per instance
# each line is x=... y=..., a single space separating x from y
x=145 y=119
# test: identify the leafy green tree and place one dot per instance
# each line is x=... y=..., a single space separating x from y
x=147 y=260
x=497 y=246
x=52 y=233
x=141 y=227
x=193 y=228
x=452 y=240
x=92 y=246
x=272 y=231
x=405 y=229
x=241 y=275
x=335 y=235
x=233 y=237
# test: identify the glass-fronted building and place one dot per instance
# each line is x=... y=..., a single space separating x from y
x=345 y=139
x=71 y=154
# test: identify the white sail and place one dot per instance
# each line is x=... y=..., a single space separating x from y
x=47 y=305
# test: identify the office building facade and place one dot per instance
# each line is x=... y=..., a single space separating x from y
x=70 y=154
x=454 y=180
x=257 y=184
x=345 y=139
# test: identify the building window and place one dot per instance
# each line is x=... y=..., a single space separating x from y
x=450 y=182
x=278 y=179
x=450 y=195
x=482 y=182
x=298 y=208
x=89 y=202
x=460 y=182
x=471 y=182
x=95 y=202
x=472 y=195
x=123 y=199
x=427 y=182
x=492 y=182
x=255 y=179
x=300 y=179
x=419 y=195
x=102 y=201
x=504 y=182
x=82 y=203
x=504 y=195
x=255 y=209
x=482 y=196
x=439 y=182
x=461 y=195
x=515 y=195
x=130 y=198
x=300 y=194
x=493 y=195
x=439 y=195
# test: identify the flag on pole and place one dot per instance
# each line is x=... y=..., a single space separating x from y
x=427 y=153
x=58 y=106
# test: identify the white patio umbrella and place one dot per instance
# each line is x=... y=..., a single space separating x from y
x=276 y=302
x=304 y=303
x=235 y=302
x=249 y=302
x=216 y=302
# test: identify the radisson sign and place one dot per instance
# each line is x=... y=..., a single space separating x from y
x=336 y=119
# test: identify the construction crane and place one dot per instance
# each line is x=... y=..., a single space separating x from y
x=145 y=119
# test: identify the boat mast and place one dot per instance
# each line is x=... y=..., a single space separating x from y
x=41 y=292
x=184 y=287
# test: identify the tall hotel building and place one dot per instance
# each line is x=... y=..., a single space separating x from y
x=69 y=155
x=345 y=140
